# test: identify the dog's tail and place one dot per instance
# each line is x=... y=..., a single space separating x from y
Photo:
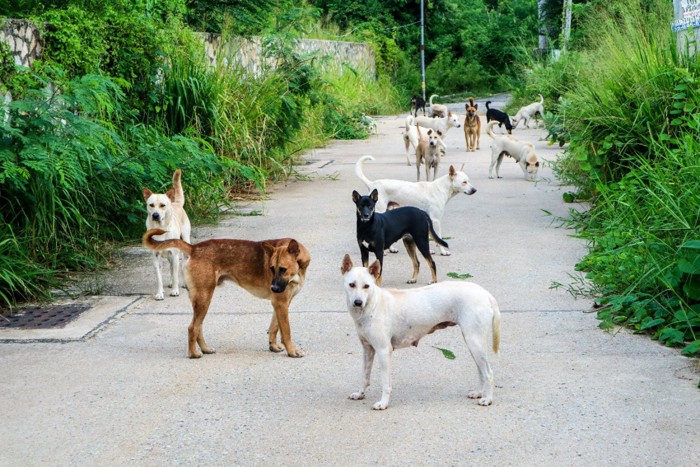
x=179 y=194
x=487 y=104
x=157 y=245
x=541 y=99
x=431 y=99
x=495 y=324
x=433 y=234
x=489 y=128
x=358 y=170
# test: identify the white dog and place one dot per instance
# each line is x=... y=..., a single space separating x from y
x=432 y=197
x=388 y=319
x=167 y=212
x=437 y=110
x=412 y=135
x=529 y=111
x=440 y=124
x=523 y=153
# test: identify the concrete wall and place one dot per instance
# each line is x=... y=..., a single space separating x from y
x=25 y=41
x=686 y=24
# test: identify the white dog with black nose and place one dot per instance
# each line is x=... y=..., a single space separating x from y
x=388 y=319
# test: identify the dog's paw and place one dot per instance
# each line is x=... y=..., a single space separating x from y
x=208 y=350
x=445 y=253
x=474 y=394
x=175 y=293
x=357 y=396
x=159 y=296
x=381 y=405
x=194 y=355
x=485 y=401
x=411 y=281
x=276 y=348
x=295 y=353
x=393 y=249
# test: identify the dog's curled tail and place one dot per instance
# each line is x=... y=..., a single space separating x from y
x=437 y=239
x=495 y=324
x=541 y=99
x=157 y=245
x=431 y=99
x=487 y=105
x=489 y=128
x=358 y=170
x=179 y=194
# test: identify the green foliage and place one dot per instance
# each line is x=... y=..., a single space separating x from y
x=448 y=354
x=631 y=122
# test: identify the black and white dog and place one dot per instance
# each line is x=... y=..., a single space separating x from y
x=500 y=116
x=377 y=231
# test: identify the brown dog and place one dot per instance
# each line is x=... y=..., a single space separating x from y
x=271 y=269
x=472 y=125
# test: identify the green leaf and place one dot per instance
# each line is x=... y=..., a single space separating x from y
x=455 y=275
x=650 y=323
x=446 y=353
x=692 y=349
x=692 y=244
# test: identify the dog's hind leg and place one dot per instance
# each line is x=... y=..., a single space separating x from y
x=410 y=245
x=280 y=303
x=424 y=248
x=476 y=344
x=437 y=226
x=200 y=295
x=174 y=260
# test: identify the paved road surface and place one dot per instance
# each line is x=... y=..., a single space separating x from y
x=115 y=387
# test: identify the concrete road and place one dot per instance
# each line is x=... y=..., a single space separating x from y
x=115 y=387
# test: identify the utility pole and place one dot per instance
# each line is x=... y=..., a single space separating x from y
x=422 y=48
x=567 y=25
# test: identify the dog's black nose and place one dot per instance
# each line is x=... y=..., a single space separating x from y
x=155 y=216
x=357 y=302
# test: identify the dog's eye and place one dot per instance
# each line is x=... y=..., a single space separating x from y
x=351 y=285
x=282 y=271
x=162 y=205
x=366 y=286
x=152 y=205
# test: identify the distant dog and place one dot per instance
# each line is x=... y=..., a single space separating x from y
x=529 y=111
x=431 y=197
x=167 y=212
x=272 y=269
x=501 y=117
x=523 y=153
x=389 y=319
x=428 y=152
x=441 y=124
x=412 y=135
x=417 y=102
x=472 y=126
x=376 y=231
x=437 y=110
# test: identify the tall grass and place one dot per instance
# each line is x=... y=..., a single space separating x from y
x=632 y=119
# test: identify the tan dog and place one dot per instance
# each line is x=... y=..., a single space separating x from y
x=428 y=152
x=271 y=269
x=412 y=135
x=167 y=212
x=472 y=126
x=523 y=153
x=389 y=319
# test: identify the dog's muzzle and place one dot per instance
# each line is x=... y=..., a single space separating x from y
x=357 y=303
x=155 y=216
x=278 y=285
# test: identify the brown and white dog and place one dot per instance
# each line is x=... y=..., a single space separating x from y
x=271 y=269
x=529 y=111
x=413 y=134
x=506 y=145
x=167 y=212
x=428 y=152
x=472 y=126
x=389 y=319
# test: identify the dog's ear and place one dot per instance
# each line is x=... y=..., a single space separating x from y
x=476 y=106
x=461 y=169
x=269 y=249
x=537 y=164
x=375 y=269
x=355 y=195
x=171 y=194
x=347 y=264
x=439 y=133
x=374 y=195
x=146 y=194
x=293 y=248
x=452 y=172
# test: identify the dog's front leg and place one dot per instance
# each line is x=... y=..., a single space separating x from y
x=438 y=230
x=364 y=254
x=280 y=302
x=368 y=358
x=384 y=362
x=159 y=277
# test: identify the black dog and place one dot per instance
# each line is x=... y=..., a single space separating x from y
x=376 y=231
x=417 y=102
x=501 y=117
